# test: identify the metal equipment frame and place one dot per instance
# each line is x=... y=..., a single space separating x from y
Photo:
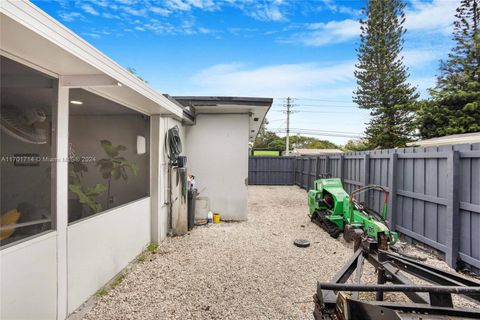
x=427 y=301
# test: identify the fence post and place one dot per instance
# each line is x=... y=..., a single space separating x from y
x=366 y=176
x=392 y=199
x=327 y=165
x=366 y=169
x=294 y=171
x=453 y=212
x=340 y=170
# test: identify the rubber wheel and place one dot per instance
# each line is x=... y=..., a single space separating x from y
x=301 y=243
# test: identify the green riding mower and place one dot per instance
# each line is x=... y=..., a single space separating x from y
x=336 y=211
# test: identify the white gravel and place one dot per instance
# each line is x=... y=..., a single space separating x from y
x=244 y=270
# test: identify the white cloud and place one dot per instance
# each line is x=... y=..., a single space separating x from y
x=140 y=12
x=332 y=6
x=437 y=15
x=70 y=16
x=423 y=83
x=274 y=80
x=423 y=56
x=327 y=33
x=126 y=2
x=160 y=11
x=204 y=30
x=92 y=35
x=159 y=27
x=186 y=5
x=302 y=80
x=266 y=12
x=89 y=9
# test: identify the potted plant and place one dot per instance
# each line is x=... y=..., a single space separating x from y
x=115 y=166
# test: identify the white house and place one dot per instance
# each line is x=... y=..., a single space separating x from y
x=84 y=172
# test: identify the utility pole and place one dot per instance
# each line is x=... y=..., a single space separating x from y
x=289 y=106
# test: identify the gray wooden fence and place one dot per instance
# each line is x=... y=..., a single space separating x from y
x=434 y=193
x=271 y=170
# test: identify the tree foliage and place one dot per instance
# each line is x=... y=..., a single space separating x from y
x=114 y=166
x=302 y=142
x=356 y=145
x=271 y=141
x=134 y=72
x=87 y=196
x=455 y=104
x=382 y=85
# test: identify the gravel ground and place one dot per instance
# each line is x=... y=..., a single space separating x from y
x=245 y=270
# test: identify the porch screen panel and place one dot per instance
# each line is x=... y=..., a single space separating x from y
x=28 y=106
x=108 y=152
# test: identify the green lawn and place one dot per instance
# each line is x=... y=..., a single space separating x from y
x=265 y=153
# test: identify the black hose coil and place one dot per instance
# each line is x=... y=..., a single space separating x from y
x=174 y=144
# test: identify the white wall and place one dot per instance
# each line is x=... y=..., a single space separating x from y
x=28 y=279
x=218 y=158
x=101 y=246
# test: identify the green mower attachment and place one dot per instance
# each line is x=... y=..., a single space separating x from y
x=335 y=211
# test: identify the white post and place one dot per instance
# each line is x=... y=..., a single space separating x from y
x=61 y=211
x=156 y=170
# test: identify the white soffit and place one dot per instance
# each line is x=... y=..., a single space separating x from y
x=29 y=34
x=254 y=111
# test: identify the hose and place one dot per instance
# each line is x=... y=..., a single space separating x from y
x=174 y=144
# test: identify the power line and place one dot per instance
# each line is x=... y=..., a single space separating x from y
x=312 y=111
x=323 y=106
x=319 y=131
x=279 y=128
x=325 y=100
x=323 y=134
x=315 y=99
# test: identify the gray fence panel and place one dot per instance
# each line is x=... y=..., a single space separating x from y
x=271 y=170
x=312 y=175
x=434 y=192
x=422 y=197
x=469 y=208
x=298 y=171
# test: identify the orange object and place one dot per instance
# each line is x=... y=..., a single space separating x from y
x=6 y=219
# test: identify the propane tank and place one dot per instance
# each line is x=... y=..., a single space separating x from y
x=210 y=217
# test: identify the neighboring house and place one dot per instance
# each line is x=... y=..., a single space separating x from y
x=313 y=152
x=467 y=138
x=70 y=115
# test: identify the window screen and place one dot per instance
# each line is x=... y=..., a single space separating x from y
x=28 y=105
x=108 y=155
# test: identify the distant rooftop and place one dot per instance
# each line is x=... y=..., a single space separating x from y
x=447 y=140
x=307 y=152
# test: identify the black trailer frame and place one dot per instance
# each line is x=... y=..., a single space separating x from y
x=427 y=302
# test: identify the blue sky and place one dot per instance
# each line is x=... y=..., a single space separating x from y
x=272 y=48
